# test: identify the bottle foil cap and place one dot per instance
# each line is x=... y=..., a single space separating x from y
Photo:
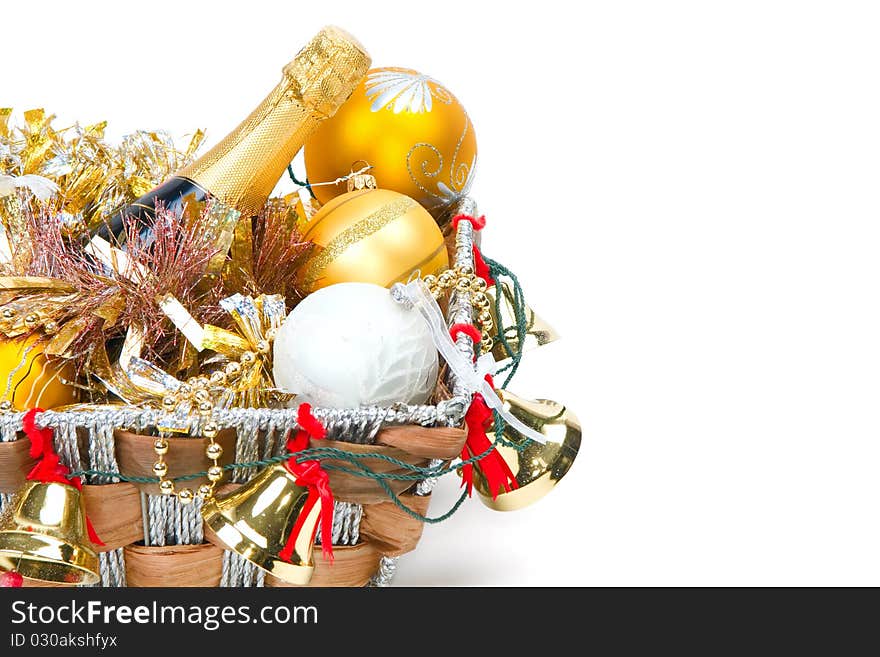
x=326 y=71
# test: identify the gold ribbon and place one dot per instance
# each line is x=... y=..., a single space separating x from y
x=32 y=283
x=136 y=380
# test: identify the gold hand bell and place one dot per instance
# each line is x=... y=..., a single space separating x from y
x=538 y=468
x=255 y=521
x=42 y=535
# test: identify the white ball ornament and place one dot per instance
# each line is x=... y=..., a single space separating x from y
x=350 y=345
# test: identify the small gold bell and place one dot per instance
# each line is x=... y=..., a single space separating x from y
x=256 y=520
x=538 y=468
x=42 y=535
x=538 y=332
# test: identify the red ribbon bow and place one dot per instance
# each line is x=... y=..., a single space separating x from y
x=492 y=466
x=311 y=475
x=49 y=468
x=481 y=269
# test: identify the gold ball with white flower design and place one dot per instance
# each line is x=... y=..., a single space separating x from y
x=410 y=128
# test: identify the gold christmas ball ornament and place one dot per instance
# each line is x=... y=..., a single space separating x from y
x=29 y=380
x=371 y=236
x=410 y=128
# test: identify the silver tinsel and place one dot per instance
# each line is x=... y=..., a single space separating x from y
x=247 y=449
x=102 y=454
x=383 y=576
x=172 y=523
x=239 y=572
x=8 y=433
x=346 y=523
x=460 y=308
x=112 y=568
x=349 y=424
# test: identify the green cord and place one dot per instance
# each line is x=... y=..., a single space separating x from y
x=496 y=271
x=312 y=454
x=297 y=182
x=396 y=499
x=415 y=514
x=324 y=453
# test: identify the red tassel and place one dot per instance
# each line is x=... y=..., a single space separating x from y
x=11 y=579
x=41 y=439
x=467 y=471
x=311 y=475
x=93 y=535
x=309 y=423
x=49 y=469
x=481 y=269
x=492 y=466
x=479 y=223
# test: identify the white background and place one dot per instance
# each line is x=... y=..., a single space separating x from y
x=688 y=190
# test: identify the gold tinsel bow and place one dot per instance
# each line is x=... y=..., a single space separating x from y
x=241 y=376
x=94 y=178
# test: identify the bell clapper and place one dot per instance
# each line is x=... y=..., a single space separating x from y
x=12 y=579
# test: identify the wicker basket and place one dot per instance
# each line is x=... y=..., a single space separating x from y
x=154 y=540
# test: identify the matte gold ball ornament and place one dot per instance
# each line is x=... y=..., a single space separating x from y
x=371 y=236
x=414 y=132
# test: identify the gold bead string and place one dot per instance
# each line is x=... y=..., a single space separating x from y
x=32 y=321
x=464 y=281
x=196 y=391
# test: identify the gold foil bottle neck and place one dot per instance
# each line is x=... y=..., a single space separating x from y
x=326 y=71
x=243 y=169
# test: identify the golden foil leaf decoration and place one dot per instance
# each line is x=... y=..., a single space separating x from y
x=257 y=320
x=136 y=380
x=5 y=113
x=15 y=242
x=94 y=177
x=538 y=332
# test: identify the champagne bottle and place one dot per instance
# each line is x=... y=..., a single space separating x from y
x=243 y=169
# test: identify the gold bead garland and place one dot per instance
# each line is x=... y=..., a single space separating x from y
x=36 y=305
x=196 y=391
x=463 y=280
